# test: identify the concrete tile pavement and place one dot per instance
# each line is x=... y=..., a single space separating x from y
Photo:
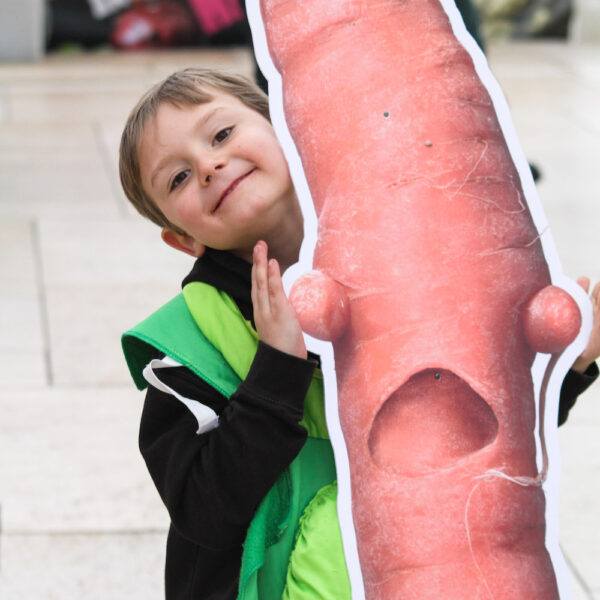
x=79 y=515
x=94 y=566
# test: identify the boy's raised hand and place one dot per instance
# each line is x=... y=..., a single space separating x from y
x=592 y=350
x=274 y=316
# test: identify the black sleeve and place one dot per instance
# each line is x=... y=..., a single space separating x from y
x=574 y=385
x=211 y=483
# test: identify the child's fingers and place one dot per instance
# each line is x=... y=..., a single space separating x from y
x=276 y=292
x=584 y=282
x=253 y=290
x=260 y=289
x=596 y=291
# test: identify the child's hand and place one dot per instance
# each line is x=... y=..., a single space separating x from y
x=275 y=319
x=592 y=350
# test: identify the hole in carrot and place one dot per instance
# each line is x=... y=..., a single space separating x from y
x=430 y=423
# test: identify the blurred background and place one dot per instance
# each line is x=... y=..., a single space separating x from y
x=79 y=517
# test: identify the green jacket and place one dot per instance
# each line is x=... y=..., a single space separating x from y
x=203 y=329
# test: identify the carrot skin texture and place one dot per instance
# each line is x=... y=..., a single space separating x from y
x=424 y=224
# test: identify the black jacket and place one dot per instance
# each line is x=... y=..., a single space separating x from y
x=212 y=483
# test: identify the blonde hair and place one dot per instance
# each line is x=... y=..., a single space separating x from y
x=183 y=88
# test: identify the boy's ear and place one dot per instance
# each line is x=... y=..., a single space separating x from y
x=182 y=242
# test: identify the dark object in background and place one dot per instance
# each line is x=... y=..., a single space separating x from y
x=535 y=172
x=151 y=23
x=471 y=19
x=71 y=21
x=215 y=15
x=525 y=19
x=154 y=25
x=544 y=19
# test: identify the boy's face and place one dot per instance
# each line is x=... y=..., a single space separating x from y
x=217 y=172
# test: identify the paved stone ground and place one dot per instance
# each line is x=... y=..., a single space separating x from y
x=79 y=515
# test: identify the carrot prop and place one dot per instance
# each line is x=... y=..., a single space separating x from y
x=431 y=281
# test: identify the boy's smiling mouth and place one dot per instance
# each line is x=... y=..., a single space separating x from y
x=230 y=189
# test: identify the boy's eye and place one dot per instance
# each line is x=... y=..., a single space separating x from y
x=223 y=134
x=179 y=179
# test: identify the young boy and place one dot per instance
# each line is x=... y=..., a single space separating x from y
x=232 y=429
x=199 y=157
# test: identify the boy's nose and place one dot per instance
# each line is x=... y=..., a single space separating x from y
x=210 y=169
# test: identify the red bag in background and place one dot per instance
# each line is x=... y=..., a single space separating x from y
x=215 y=15
x=154 y=25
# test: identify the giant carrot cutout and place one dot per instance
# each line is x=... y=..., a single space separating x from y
x=431 y=281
